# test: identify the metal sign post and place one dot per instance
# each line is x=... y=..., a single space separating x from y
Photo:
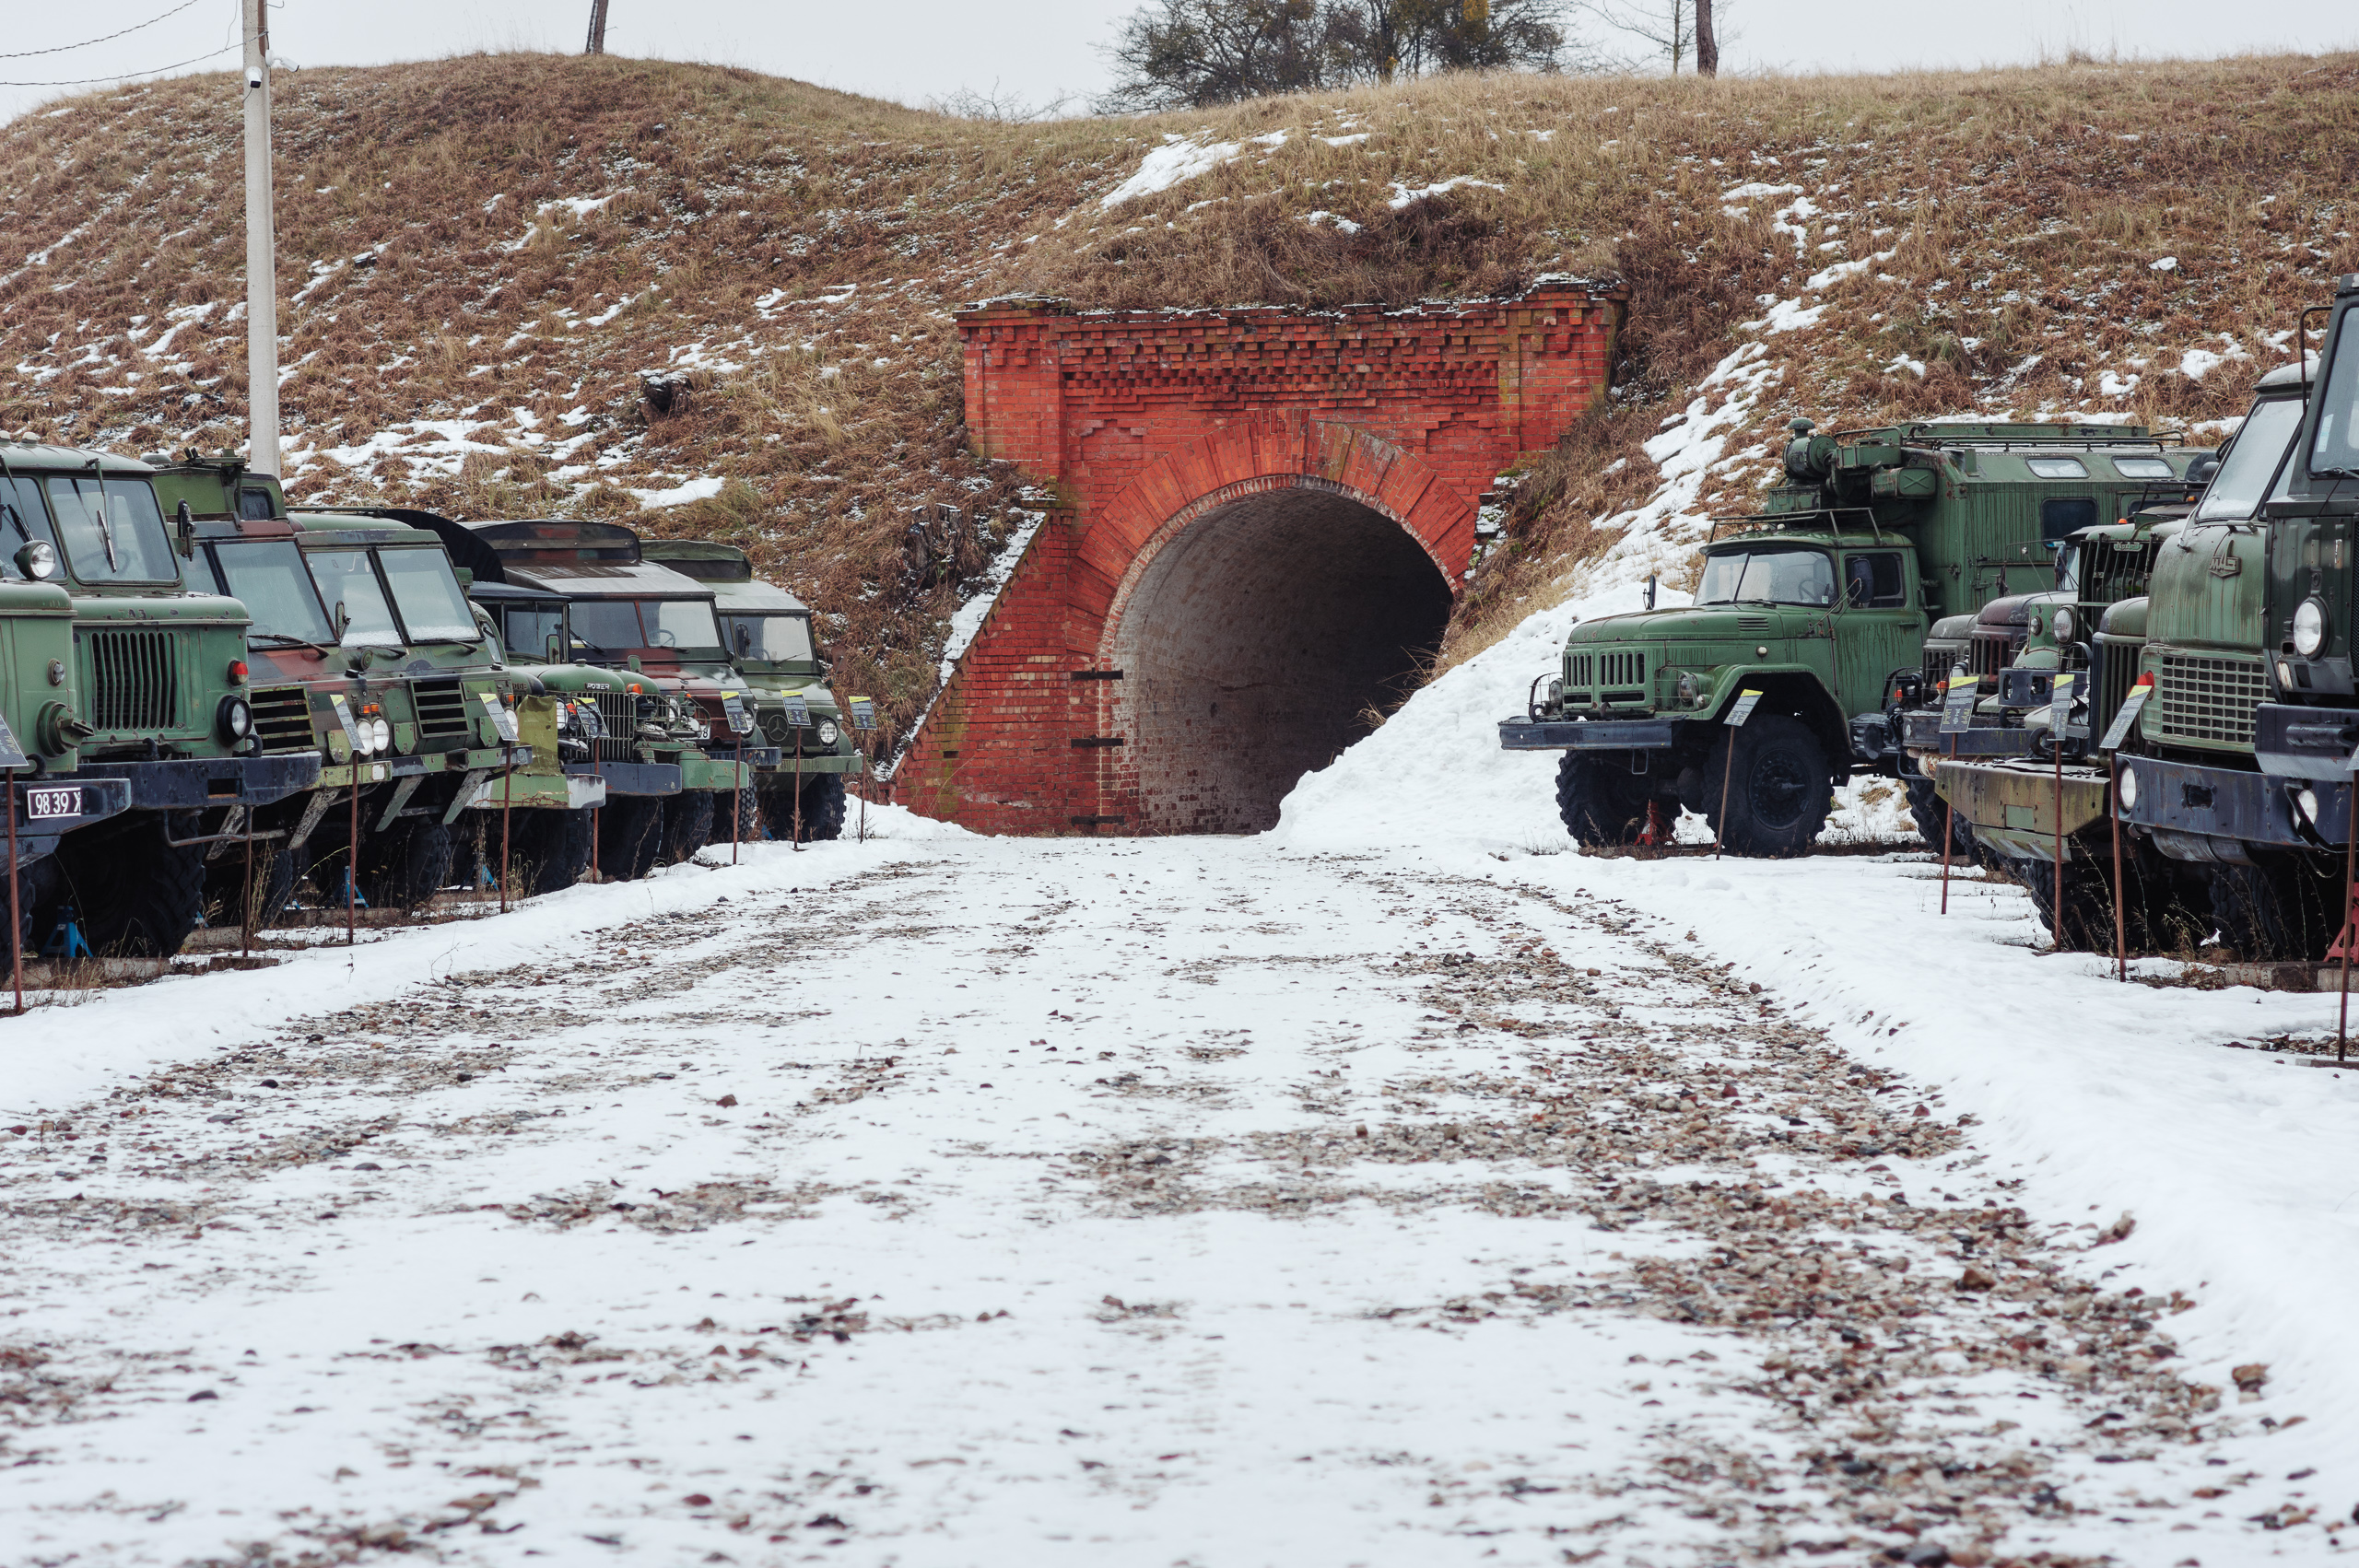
x=741 y=723
x=2349 y=866
x=12 y=758
x=798 y=714
x=1741 y=710
x=1958 y=695
x=2116 y=733
x=864 y=722
x=2060 y=711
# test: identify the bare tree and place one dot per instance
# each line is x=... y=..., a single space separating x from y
x=1682 y=30
x=998 y=106
x=597 y=44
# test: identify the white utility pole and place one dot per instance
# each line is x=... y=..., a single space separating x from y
x=261 y=247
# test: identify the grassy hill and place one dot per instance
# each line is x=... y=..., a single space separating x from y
x=483 y=257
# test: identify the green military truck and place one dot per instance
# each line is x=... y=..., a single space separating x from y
x=671 y=751
x=129 y=690
x=1821 y=604
x=768 y=634
x=2190 y=643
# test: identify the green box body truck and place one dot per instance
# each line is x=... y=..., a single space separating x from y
x=1822 y=603
x=129 y=688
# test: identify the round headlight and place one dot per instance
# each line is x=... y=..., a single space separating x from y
x=827 y=732
x=1555 y=691
x=2128 y=788
x=2063 y=625
x=237 y=720
x=2308 y=800
x=2037 y=625
x=364 y=740
x=381 y=734
x=2309 y=628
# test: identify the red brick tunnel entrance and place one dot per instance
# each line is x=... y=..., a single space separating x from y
x=1255 y=639
x=1258 y=520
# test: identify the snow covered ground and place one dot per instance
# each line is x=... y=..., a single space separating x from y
x=943 y=1200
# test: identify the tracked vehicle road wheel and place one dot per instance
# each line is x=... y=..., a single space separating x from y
x=404 y=868
x=1599 y=801
x=1779 y=792
x=136 y=894
x=630 y=831
x=687 y=823
x=2276 y=909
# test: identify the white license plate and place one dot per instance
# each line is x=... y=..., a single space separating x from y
x=40 y=803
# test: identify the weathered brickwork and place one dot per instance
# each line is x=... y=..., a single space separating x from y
x=1259 y=447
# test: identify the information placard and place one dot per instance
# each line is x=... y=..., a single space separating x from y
x=1958 y=695
x=1742 y=710
x=2119 y=730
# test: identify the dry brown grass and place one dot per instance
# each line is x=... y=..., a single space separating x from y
x=2023 y=210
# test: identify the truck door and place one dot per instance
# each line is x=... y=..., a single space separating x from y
x=1879 y=626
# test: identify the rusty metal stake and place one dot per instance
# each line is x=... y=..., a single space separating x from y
x=1727 y=772
x=16 y=916
x=2057 y=916
x=1949 y=829
x=507 y=807
x=352 y=867
x=798 y=792
x=2349 y=864
x=246 y=935
x=2112 y=810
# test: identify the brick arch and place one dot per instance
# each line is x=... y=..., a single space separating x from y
x=1355 y=444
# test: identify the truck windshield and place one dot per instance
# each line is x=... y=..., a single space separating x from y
x=2243 y=480
x=2068 y=567
x=2336 y=448
x=780 y=638
x=111 y=529
x=680 y=623
x=606 y=624
x=345 y=578
x=267 y=577
x=427 y=594
x=1771 y=577
x=23 y=519
x=534 y=631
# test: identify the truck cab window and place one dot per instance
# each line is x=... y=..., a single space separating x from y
x=2335 y=448
x=111 y=529
x=1768 y=577
x=22 y=520
x=1874 y=582
x=347 y=577
x=2063 y=516
x=2269 y=433
x=254 y=505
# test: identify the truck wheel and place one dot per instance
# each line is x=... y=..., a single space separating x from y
x=2088 y=902
x=548 y=851
x=2275 y=910
x=407 y=866
x=630 y=830
x=1779 y=791
x=687 y=823
x=1926 y=805
x=133 y=893
x=739 y=814
x=1599 y=800
x=822 y=810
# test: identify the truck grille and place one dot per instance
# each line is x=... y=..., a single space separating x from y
x=1580 y=674
x=2112 y=575
x=2116 y=673
x=283 y=720
x=1622 y=675
x=442 y=716
x=1992 y=651
x=619 y=711
x=1937 y=663
x=134 y=681
x=2207 y=699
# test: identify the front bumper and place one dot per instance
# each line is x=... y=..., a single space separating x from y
x=788 y=766
x=2013 y=804
x=194 y=784
x=548 y=791
x=2208 y=814
x=2305 y=743
x=1587 y=734
x=629 y=778
x=714 y=773
x=38 y=838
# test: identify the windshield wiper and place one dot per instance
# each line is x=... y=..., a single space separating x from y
x=281 y=639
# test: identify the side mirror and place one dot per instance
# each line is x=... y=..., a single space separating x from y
x=556 y=654
x=38 y=561
x=343 y=621
x=187 y=532
x=2201 y=473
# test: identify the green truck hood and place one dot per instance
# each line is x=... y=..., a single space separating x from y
x=1709 y=622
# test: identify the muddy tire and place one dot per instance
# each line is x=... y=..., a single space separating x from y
x=1599 y=801
x=548 y=851
x=687 y=823
x=737 y=816
x=1930 y=812
x=630 y=832
x=133 y=893
x=405 y=867
x=823 y=810
x=2275 y=910
x=1779 y=792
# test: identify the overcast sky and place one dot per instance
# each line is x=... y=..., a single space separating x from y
x=1040 y=49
